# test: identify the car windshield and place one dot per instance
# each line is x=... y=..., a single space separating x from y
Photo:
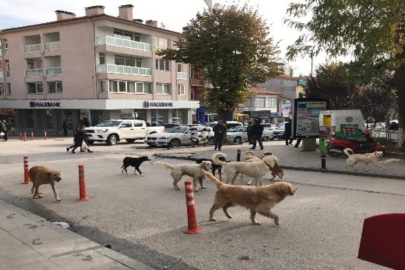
x=232 y=130
x=110 y=123
x=281 y=126
x=178 y=130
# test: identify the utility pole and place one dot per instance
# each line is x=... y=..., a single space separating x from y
x=209 y=4
x=312 y=63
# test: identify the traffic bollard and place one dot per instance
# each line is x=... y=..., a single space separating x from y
x=238 y=155
x=191 y=217
x=32 y=136
x=25 y=136
x=323 y=161
x=26 y=176
x=45 y=135
x=82 y=185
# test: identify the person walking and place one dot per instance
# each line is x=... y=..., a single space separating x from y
x=249 y=132
x=219 y=131
x=257 y=132
x=80 y=138
x=287 y=132
x=65 y=128
x=4 y=129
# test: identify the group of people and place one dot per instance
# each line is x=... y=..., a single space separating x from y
x=79 y=137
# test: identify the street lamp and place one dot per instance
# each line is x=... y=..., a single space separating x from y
x=209 y=4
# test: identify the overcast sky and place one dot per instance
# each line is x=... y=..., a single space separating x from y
x=174 y=14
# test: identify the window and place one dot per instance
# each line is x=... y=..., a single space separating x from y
x=192 y=94
x=127 y=35
x=55 y=87
x=161 y=43
x=260 y=102
x=181 y=89
x=179 y=67
x=104 y=86
x=139 y=87
x=1 y=90
x=128 y=61
x=122 y=86
x=131 y=87
x=35 y=88
x=163 y=89
x=162 y=64
x=9 y=89
x=102 y=58
x=272 y=102
x=114 y=86
x=138 y=62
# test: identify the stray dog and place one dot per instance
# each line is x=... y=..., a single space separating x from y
x=367 y=158
x=40 y=175
x=258 y=199
x=215 y=167
x=276 y=170
x=193 y=170
x=256 y=169
x=134 y=162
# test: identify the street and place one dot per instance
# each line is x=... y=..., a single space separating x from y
x=144 y=217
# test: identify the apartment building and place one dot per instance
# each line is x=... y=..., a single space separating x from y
x=94 y=68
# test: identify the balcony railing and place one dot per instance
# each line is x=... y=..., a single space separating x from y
x=124 y=43
x=33 y=72
x=181 y=76
x=53 y=71
x=109 y=68
x=50 y=46
x=32 y=48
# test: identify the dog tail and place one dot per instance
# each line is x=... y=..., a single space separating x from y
x=347 y=151
x=213 y=179
x=163 y=165
x=216 y=158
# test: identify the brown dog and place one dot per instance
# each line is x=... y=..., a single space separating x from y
x=258 y=199
x=42 y=175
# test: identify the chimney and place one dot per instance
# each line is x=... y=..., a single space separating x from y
x=64 y=15
x=94 y=10
x=125 y=12
x=138 y=20
x=151 y=23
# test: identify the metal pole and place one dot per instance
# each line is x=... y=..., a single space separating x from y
x=312 y=63
x=238 y=155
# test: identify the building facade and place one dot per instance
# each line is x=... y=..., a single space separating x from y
x=283 y=84
x=92 y=68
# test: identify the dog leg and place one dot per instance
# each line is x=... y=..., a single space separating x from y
x=195 y=183
x=234 y=178
x=225 y=208
x=137 y=168
x=253 y=217
x=37 y=195
x=268 y=213
x=365 y=167
x=55 y=192
x=200 y=180
x=214 y=208
x=175 y=181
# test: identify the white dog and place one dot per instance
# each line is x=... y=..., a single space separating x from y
x=367 y=158
x=250 y=156
x=193 y=170
x=256 y=169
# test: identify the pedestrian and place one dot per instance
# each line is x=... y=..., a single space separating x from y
x=249 y=132
x=74 y=139
x=3 y=129
x=80 y=138
x=257 y=133
x=298 y=142
x=65 y=128
x=219 y=132
x=287 y=132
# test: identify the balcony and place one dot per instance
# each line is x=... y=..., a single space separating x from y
x=123 y=43
x=117 y=69
x=51 y=46
x=32 y=48
x=181 y=76
x=53 y=71
x=33 y=72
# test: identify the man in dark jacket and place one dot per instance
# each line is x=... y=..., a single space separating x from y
x=287 y=132
x=257 y=132
x=249 y=132
x=219 y=132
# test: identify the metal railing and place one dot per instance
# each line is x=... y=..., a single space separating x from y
x=181 y=76
x=32 y=48
x=50 y=46
x=109 y=68
x=33 y=72
x=53 y=71
x=123 y=43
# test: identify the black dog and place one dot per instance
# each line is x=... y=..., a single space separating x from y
x=215 y=167
x=134 y=162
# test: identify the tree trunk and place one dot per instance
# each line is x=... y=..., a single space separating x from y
x=399 y=78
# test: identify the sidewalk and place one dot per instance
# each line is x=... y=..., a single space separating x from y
x=295 y=159
x=30 y=242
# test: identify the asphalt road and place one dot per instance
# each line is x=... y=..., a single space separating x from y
x=144 y=217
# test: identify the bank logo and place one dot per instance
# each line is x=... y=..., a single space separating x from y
x=146 y=104
x=34 y=104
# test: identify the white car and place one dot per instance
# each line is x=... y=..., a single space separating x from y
x=174 y=137
x=237 y=135
x=268 y=133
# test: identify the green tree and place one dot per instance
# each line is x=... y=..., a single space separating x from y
x=373 y=31
x=233 y=46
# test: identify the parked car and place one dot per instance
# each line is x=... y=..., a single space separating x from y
x=112 y=131
x=279 y=131
x=175 y=137
x=229 y=124
x=237 y=135
x=170 y=125
x=268 y=131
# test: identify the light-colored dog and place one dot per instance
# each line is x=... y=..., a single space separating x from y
x=193 y=170
x=256 y=169
x=250 y=156
x=367 y=158
x=40 y=175
x=257 y=199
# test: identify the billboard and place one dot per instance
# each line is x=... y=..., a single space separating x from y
x=306 y=116
x=285 y=109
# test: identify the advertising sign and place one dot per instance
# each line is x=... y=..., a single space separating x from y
x=285 y=109
x=306 y=116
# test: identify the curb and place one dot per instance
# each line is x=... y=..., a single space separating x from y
x=397 y=177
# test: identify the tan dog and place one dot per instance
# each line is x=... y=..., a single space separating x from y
x=40 y=175
x=367 y=158
x=257 y=199
x=276 y=170
x=193 y=170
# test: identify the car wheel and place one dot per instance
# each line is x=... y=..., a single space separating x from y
x=335 y=151
x=211 y=140
x=265 y=138
x=238 y=140
x=271 y=139
x=90 y=142
x=175 y=143
x=112 y=139
x=130 y=141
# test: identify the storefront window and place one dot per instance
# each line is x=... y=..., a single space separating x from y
x=49 y=119
x=29 y=118
x=159 y=116
x=177 y=116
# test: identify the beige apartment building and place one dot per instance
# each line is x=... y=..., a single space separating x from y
x=95 y=67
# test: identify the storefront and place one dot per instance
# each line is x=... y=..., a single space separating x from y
x=48 y=115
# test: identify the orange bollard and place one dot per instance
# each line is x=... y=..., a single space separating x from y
x=82 y=185
x=45 y=135
x=25 y=136
x=32 y=136
x=21 y=138
x=191 y=217
x=26 y=177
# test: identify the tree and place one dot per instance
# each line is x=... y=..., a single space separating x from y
x=373 y=31
x=233 y=46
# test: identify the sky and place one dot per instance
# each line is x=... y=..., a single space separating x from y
x=174 y=14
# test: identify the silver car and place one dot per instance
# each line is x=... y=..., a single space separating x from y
x=174 y=137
